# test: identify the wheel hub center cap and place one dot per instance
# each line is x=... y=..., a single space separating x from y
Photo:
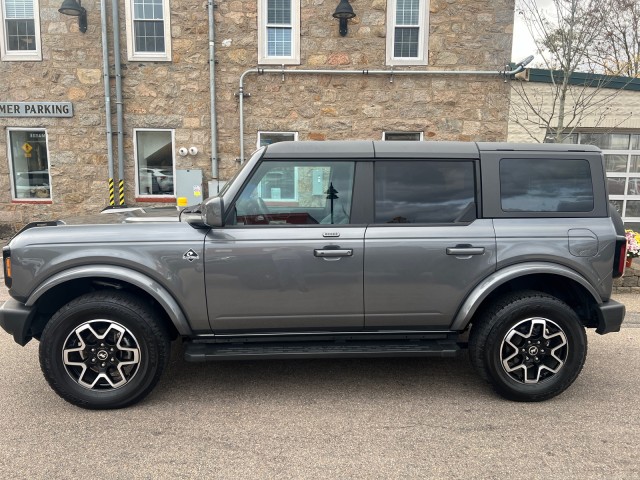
x=533 y=350
x=102 y=355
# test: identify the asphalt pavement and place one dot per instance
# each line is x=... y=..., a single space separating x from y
x=365 y=418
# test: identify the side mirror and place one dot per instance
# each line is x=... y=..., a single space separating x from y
x=212 y=211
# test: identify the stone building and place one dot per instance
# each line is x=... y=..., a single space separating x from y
x=54 y=158
x=608 y=118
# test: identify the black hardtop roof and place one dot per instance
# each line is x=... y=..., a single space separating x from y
x=407 y=149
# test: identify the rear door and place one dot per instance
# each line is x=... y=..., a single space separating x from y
x=426 y=249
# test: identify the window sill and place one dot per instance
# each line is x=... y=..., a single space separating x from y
x=156 y=199
x=46 y=201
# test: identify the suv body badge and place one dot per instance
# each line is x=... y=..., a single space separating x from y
x=191 y=255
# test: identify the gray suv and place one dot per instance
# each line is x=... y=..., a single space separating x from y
x=333 y=249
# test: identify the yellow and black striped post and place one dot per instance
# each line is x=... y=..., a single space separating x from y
x=121 y=189
x=112 y=195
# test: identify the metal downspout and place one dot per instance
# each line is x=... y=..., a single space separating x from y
x=119 y=124
x=281 y=71
x=107 y=97
x=212 y=93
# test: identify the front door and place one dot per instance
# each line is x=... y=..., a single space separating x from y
x=288 y=258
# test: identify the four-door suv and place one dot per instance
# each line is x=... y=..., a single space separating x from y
x=333 y=249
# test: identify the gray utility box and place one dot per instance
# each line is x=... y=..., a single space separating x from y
x=189 y=186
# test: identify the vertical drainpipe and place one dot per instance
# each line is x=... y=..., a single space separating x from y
x=118 y=71
x=212 y=92
x=107 y=97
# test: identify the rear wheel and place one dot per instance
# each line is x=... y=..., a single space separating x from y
x=530 y=346
x=104 y=350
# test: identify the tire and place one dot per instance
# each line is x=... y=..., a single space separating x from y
x=529 y=345
x=104 y=350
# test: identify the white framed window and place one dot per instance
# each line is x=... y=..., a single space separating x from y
x=148 y=30
x=267 y=138
x=394 y=136
x=621 y=150
x=154 y=152
x=407 y=32
x=279 y=32
x=20 y=30
x=28 y=154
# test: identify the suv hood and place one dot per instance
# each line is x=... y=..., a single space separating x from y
x=126 y=215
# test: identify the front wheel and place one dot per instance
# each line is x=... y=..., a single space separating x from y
x=104 y=350
x=529 y=345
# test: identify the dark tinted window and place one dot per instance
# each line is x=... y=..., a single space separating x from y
x=545 y=185
x=423 y=191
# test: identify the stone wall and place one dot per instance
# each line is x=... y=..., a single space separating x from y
x=464 y=34
x=630 y=281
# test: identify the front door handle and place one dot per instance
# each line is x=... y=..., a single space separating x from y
x=465 y=250
x=333 y=252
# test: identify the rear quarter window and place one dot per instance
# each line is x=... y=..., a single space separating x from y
x=546 y=185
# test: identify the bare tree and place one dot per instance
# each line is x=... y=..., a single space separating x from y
x=616 y=50
x=564 y=35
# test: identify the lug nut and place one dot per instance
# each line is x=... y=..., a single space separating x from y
x=93 y=360
x=104 y=364
x=536 y=359
x=113 y=359
x=93 y=349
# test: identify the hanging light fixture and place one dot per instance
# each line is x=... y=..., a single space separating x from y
x=344 y=11
x=73 y=8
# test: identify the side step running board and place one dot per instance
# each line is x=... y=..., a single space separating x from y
x=201 y=352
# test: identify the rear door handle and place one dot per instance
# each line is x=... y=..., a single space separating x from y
x=465 y=250
x=333 y=252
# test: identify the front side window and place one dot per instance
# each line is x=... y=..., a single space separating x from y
x=407 y=32
x=20 y=30
x=155 y=164
x=148 y=30
x=545 y=185
x=297 y=193
x=279 y=36
x=29 y=164
x=432 y=192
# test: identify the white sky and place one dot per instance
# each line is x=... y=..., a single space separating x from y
x=523 y=45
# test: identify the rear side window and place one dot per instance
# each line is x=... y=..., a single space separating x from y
x=545 y=185
x=424 y=191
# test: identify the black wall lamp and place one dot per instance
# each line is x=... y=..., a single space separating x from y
x=344 y=11
x=74 y=9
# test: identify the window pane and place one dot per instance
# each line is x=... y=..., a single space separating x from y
x=30 y=164
x=541 y=185
x=149 y=36
x=635 y=142
x=606 y=141
x=393 y=136
x=617 y=204
x=423 y=191
x=147 y=10
x=293 y=193
x=616 y=185
x=406 y=42
x=267 y=138
x=20 y=35
x=279 y=42
x=634 y=164
x=279 y=12
x=633 y=208
x=633 y=186
x=155 y=162
x=18 y=9
x=407 y=12
x=616 y=163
